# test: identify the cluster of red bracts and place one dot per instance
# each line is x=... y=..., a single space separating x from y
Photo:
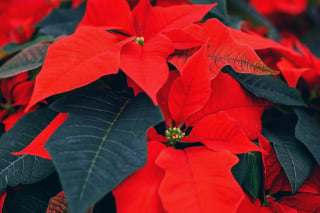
x=196 y=95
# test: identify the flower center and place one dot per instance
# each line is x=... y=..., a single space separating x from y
x=174 y=135
x=140 y=40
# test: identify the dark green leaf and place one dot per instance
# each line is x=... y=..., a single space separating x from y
x=293 y=156
x=268 y=87
x=102 y=141
x=24 y=169
x=307 y=131
x=34 y=198
x=61 y=21
x=28 y=59
x=219 y=11
x=248 y=172
x=14 y=47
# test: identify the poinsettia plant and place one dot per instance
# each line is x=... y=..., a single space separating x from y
x=159 y=106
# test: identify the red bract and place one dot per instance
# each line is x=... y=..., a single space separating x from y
x=219 y=131
x=189 y=93
x=303 y=202
x=224 y=50
x=261 y=43
x=195 y=179
x=179 y=180
x=16 y=92
x=293 y=64
x=17 y=18
x=243 y=108
x=145 y=64
x=249 y=205
x=192 y=101
x=291 y=73
x=162 y=3
x=274 y=176
x=91 y=48
x=292 y=7
x=198 y=180
x=142 y=54
x=2 y=199
x=307 y=67
x=299 y=203
x=36 y=147
x=140 y=191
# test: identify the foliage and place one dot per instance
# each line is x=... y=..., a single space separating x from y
x=159 y=106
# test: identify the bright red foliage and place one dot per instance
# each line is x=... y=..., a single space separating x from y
x=139 y=192
x=240 y=106
x=197 y=180
x=91 y=48
x=224 y=50
x=143 y=52
x=17 y=18
x=190 y=92
x=292 y=7
x=214 y=117
x=220 y=132
x=16 y=92
x=36 y=146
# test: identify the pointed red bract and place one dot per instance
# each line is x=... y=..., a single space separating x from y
x=290 y=72
x=146 y=64
x=227 y=95
x=110 y=14
x=164 y=19
x=152 y=135
x=141 y=14
x=292 y=7
x=163 y=95
x=198 y=180
x=259 y=43
x=190 y=92
x=134 y=86
x=139 y=192
x=303 y=202
x=3 y=196
x=9 y=85
x=280 y=208
x=76 y=61
x=250 y=205
x=183 y=40
x=21 y=93
x=36 y=147
x=220 y=132
x=224 y=50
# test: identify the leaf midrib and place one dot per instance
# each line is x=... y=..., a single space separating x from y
x=242 y=61
x=104 y=139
